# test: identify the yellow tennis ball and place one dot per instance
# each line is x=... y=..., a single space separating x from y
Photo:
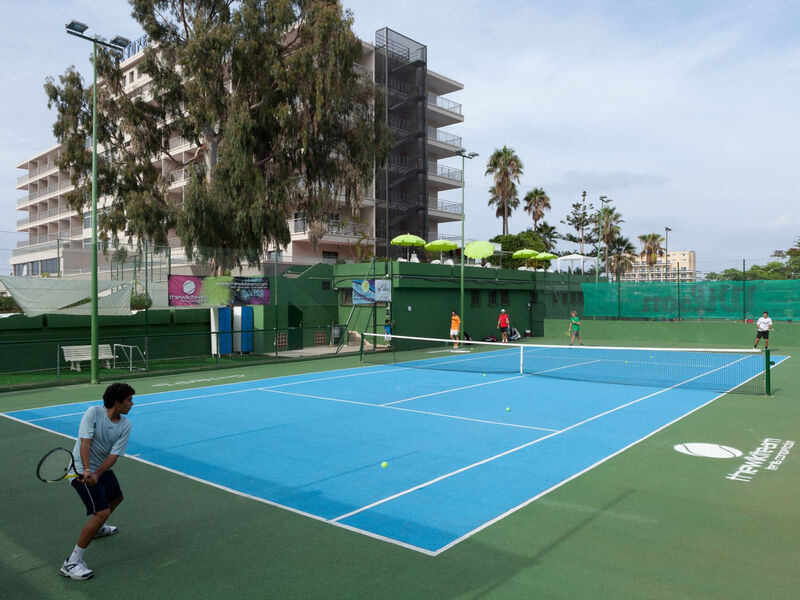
x=484 y=374
x=384 y=464
x=508 y=408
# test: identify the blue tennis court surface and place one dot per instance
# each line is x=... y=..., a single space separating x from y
x=457 y=459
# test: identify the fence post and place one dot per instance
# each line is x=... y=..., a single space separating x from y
x=744 y=282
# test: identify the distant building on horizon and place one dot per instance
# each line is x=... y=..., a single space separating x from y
x=672 y=267
x=408 y=194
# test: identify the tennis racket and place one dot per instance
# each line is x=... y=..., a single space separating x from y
x=56 y=465
x=568 y=333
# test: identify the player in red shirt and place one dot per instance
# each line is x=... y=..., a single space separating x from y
x=504 y=324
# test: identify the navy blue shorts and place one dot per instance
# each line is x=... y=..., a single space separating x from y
x=96 y=497
x=762 y=334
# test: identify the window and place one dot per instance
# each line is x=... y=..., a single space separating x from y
x=326 y=285
x=19 y=269
x=330 y=258
x=130 y=77
x=87 y=221
x=504 y=297
x=347 y=297
x=476 y=297
x=492 y=297
x=271 y=255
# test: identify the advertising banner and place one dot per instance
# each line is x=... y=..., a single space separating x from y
x=195 y=291
x=370 y=291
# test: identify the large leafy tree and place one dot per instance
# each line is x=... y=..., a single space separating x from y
x=512 y=242
x=506 y=168
x=651 y=249
x=266 y=94
x=580 y=219
x=536 y=203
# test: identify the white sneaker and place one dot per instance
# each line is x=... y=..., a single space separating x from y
x=76 y=570
x=106 y=530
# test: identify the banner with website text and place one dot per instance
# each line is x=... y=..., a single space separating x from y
x=196 y=291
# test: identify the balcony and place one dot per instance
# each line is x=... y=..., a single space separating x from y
x=444 y=172
x=444 y=137
x=32 y=173
x=44 y=191
x=444 y=206
x=444 y=103
x=333 y=229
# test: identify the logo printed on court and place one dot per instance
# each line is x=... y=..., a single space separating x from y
x=769 y=455
x=708 y=450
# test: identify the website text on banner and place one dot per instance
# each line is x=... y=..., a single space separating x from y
x=370 y=291
x=694 y=300
x=195 y=292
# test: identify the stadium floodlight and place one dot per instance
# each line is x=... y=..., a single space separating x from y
x=77 y=29
x=464 y=155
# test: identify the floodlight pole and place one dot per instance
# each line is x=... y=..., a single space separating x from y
x=464 y=155
x=666 y=252
x=75 y=28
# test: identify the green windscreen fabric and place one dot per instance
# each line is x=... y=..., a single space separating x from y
x=694 y=300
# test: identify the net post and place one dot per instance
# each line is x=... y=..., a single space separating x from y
x=767 y=365
x=520 y=360
x=361 y=350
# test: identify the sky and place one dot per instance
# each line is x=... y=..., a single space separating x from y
x=684 y=113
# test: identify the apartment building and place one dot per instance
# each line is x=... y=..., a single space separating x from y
x=408 y=195
x=673 y=266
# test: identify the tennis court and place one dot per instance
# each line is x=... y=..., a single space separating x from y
x=468 y=435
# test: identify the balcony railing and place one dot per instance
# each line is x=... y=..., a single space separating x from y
x=444 y=103
x=444 y=206
x=43 y=191
x=444 y=137
x=442 y=171
x=37 y=171
x=333 y=228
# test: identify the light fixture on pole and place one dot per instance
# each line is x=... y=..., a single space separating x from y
x=118 y=44
x=666 y=251
x=464 y=155
x=601 y=227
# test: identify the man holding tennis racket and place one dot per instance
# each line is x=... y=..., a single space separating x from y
x=574 y=330
x=763 y=325
x=102 y=438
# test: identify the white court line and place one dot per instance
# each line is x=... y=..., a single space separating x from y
x=421 y=412
x=466 y=387
x=512 y=450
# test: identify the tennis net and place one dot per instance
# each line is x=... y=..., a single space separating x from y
x=726 y=370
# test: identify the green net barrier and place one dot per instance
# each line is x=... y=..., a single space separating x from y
x=740 y=300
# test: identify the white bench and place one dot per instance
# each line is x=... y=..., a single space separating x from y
x=74 y=355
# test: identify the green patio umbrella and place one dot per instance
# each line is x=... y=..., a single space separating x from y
x=479 y=250
x=525 y=253
x=408 y=239
x=441 y=246
x=546 y=256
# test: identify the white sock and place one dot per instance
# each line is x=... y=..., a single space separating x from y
x=77 y=554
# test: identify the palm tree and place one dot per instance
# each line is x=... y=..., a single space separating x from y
x=607 y=227
x=651 y=250
x=506 y=168
x=621 y=252
x=548 y=234
x=536 y=202
x=504 y=210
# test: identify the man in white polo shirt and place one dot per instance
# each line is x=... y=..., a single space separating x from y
x=764 y=324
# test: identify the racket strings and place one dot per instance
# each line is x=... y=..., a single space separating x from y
x=55 y=465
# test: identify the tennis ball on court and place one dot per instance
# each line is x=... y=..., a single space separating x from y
x=508 y=408
x=651 y=357
x=384 y=464
x=484 y=374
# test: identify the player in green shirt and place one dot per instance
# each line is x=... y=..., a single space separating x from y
x=574 y=328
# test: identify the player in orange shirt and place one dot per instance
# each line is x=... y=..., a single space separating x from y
x=455 y=327
x=504 y=324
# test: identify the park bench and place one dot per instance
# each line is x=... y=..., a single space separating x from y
x=74 y=355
